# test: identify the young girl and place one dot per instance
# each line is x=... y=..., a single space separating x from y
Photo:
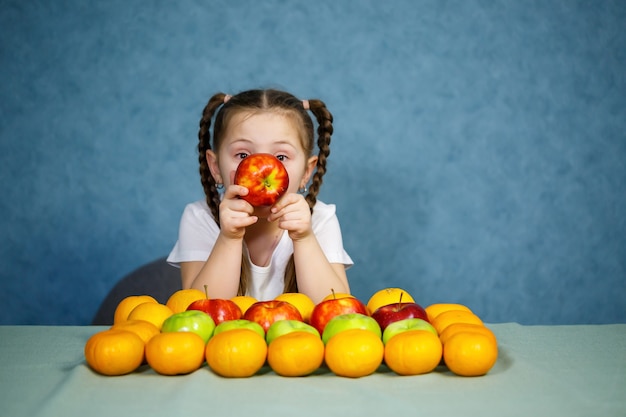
x=236 y=249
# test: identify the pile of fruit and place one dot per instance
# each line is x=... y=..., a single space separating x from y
x=292 y=335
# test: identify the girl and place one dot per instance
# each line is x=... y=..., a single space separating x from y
x=236 y=249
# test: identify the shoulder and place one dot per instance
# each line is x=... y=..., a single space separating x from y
x=199 y=207
x=198 y=212
x=324 y=216
x=322 y=210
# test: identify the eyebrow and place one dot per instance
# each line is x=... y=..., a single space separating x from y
x=278 y=142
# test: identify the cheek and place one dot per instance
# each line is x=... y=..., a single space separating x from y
x=295 y=177
x=230 y=178
x=228 y=170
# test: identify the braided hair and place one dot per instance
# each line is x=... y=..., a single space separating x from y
x=224 y=107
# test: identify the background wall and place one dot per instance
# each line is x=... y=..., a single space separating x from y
x=479 y=154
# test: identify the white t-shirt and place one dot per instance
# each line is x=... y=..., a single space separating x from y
x=198 y=233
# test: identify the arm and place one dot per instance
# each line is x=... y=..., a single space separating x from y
x=221 y=271
x=315 y=274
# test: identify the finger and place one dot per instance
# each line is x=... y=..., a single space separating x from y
x=285 y=201
x=296 y=228
x=237 y=225
x=233 y=191
x=242 y=222
x=240 y=206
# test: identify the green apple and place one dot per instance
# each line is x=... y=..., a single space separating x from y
x=239 y=324
x=282 y=327
x=194 y=321
x=349 y=321
x=405 y=325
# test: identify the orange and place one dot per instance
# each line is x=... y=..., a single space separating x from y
x=295 y=354
x=413 y=352
x=354 y=353
x=180 y=300
x=243 y=301
x=449 y=317
x=155 y=313
x=464 y=327
x=388 y=296
x=434 y=310
x=300 y=301
x=144 y=329
x=175 y=353
x=337 y=295
x=237 y=353
x=127 y=304
x=114 y=352
x=470 y=353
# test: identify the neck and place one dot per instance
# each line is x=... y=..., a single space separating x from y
x=261 y=239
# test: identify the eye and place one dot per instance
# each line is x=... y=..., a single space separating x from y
x=241 y=155
x=281 y=158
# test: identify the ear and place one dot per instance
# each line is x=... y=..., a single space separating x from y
x=211 y=159
x=310 y=168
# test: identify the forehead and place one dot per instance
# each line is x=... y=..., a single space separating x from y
x=264 y=125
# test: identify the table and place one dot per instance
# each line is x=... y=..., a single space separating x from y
x=541 y=370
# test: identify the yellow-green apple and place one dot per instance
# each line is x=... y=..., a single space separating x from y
x=239 y=324
x=264 y=176
x=267 y=312
x=219 y=309
x=405 y=325
x=194 y=321
x=390 y=313
x=324 y=311
x=282 y=327
x=349 y=321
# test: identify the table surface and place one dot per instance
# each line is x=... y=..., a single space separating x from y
x=541 y=370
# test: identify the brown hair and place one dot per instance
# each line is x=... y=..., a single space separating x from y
x=264 y=101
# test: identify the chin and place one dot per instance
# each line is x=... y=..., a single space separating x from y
x=262 y=212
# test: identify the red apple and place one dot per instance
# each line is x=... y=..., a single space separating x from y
x=264 y=176
x=219 y=309
x=326 y=310
x=390 y=313
x=267 y=312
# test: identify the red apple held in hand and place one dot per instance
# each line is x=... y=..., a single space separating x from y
x=264 y=176
x=219 y=309
x=326 y=310
x=267 y=312
x=390 y=313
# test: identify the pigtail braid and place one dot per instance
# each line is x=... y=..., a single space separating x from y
x=204 y=144
x=324 y=132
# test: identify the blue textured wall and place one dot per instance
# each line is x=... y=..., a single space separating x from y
x=479 y=154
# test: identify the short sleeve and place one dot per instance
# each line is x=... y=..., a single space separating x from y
x=197 y=234
x=328 y=232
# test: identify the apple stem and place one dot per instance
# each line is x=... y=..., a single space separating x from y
x=400 y=300
x=206 y=291
x=334 y=295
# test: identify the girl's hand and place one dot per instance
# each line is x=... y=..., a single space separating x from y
x=293 y=214
x=235 y=213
